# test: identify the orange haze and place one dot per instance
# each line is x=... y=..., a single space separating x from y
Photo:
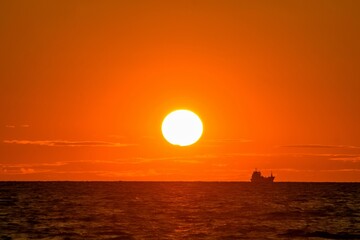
x=85 y=85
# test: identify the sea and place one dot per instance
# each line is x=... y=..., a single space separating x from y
x=179 y=210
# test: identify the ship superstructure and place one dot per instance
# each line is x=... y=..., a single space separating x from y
x=258 y=178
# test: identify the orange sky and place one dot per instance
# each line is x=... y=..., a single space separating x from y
x=85 y=85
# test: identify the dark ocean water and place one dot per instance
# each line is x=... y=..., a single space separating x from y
x=179 y=210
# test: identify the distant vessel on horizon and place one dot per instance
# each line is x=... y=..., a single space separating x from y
x=258 y=178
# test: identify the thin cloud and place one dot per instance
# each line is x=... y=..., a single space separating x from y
x=136 y=173
x=49 y=165
x=349 y=158
x=320 y=146
x=340 y=170
x=187 y=159
x=13 y=170
x=46 y=167
x=62 y=143
x=27 y=170
x=230 y=155
x=121 y=174
x=327 y=156
x=14 y=126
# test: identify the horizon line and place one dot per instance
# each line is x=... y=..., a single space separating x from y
x=172 y=181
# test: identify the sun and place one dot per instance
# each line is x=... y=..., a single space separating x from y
x=182 y=127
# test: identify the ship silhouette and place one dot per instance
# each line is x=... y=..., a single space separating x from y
x=258 y=178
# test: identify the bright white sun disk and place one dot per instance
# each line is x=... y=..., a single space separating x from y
x=182 y=127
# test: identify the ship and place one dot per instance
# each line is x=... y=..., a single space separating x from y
x=258 y=178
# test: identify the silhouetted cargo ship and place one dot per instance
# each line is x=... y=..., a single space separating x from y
x=258 y=178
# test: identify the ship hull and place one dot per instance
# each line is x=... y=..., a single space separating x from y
x=263 y=180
